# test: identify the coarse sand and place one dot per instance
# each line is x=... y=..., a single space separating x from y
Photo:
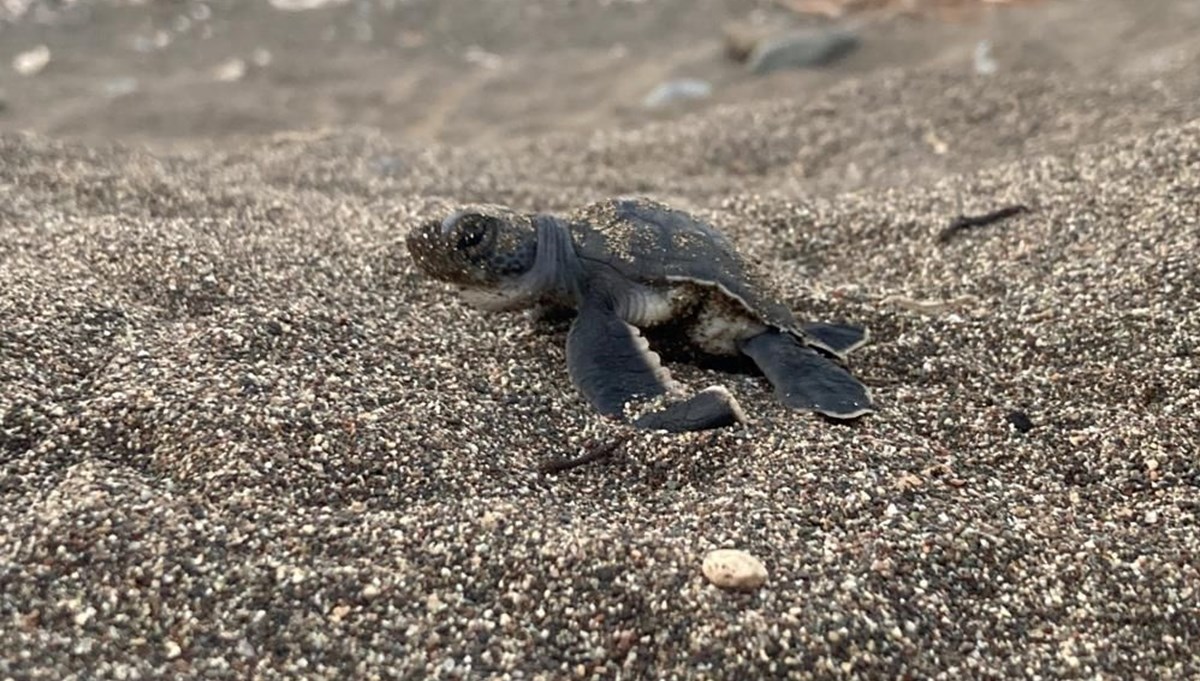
x=241 y=437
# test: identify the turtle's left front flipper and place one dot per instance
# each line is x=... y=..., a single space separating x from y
x=611 y=364
x=806 y=379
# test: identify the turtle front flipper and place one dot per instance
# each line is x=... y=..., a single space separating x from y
x=806 y=379
x=612 y=365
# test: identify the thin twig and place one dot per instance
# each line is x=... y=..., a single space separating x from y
x=594 y=453
x=964 y=222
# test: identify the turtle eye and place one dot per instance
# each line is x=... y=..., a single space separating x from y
x=471 y=236
x=472 y=230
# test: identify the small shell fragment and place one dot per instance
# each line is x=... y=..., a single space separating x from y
x=31 y=62
x=734 y=569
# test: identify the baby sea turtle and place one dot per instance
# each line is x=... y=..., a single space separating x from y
x=622 y=264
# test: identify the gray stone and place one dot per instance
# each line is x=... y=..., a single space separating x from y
x=802 y=48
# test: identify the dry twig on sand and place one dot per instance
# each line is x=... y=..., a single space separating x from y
x=964 y=222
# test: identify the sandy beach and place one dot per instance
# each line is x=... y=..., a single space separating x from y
x=242 y=437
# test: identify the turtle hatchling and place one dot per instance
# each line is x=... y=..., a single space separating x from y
x=631 y=263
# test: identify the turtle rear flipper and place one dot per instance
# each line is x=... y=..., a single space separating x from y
x=840 y=339
x=806 y=379
x=611 y=364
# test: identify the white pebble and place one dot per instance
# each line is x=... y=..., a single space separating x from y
x=31 y=62
x=231 y=70
x=734 y=569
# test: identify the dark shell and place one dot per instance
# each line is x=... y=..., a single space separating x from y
x=651 y=243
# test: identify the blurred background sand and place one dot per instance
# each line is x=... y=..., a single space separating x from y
x=461 y=71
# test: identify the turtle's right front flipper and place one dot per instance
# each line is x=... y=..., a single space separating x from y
x=710 y=408
x=611 y=364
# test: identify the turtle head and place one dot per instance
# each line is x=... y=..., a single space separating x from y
x=484 y=250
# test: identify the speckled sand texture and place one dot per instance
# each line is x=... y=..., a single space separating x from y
x=240 y=437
